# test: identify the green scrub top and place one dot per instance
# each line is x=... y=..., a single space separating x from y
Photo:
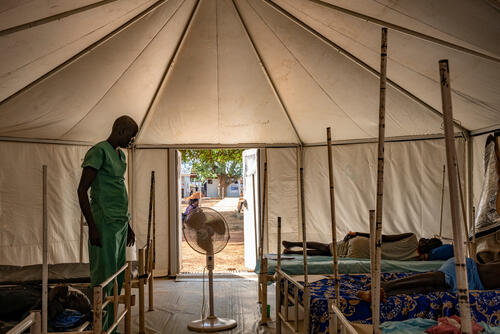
x=108 y=194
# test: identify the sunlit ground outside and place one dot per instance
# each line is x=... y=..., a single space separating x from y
x=232 y=257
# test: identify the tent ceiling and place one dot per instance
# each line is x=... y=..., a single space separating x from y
x=216 y=90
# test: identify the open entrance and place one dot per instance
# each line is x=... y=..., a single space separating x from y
x=224 y=180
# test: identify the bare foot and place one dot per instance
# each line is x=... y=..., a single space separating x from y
x=367 y=296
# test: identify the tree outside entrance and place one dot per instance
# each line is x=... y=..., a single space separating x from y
x=222 y=164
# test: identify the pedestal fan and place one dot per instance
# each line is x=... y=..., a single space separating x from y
x=206 y=231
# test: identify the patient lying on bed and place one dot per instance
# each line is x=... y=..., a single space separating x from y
x=394 y=247
x=479 y=277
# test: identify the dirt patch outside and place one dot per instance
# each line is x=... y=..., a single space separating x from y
x=232 y=257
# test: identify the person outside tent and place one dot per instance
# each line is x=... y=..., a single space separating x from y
x=193 y=204
x=107 y=212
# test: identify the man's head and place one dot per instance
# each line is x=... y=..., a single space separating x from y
x=426 y=245
x=124 y=131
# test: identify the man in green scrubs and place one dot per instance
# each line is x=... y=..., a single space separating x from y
x=107 y=213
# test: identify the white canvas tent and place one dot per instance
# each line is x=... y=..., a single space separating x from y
x=245 y=73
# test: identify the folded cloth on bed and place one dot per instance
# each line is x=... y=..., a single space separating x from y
x=294 y=265
x=450 y=274
x=404 y=249
x=484 y=304
x=452 y=325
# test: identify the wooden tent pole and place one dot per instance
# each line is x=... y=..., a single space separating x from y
x=150 y=216
x=304 y=244
x=442 y=204
x=255 y=216
x=82 y=223
x=278 y=282
x=464 y=214
x=154 y=225
x=458 y=236
x=332 y=215
x=262 y=221
x=45 y=249
x=380 y=167
x=376 y=242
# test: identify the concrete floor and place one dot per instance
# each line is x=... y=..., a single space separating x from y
x=177 y=303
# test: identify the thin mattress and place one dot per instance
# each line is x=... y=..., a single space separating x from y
x=294 y=265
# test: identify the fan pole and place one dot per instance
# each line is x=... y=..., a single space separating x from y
x=210 y=266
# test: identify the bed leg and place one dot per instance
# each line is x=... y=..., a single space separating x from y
x=151 y=278
x=141 y=292
x=286 y=300
x=264 y=293
x=128 y=315
x=97 y=325
x=296 y=306
x=332 y=318
x=278 y=304
x=306 y=309
x=36 y=328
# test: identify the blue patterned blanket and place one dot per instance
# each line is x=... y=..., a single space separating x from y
x=485 y=305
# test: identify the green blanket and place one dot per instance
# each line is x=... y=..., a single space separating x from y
x=294 y=265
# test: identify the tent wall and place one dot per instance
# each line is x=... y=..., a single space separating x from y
x=413 y=174
x=21 y=203
x=145 y=162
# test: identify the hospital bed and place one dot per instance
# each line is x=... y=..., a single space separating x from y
x=316 y=303
x=34 y=320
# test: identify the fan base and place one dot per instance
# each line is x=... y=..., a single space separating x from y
x=211 y=324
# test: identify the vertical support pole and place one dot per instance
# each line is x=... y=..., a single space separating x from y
x=263 y=215
x=264 y=292
x=333 y=218
x=36 y=328
x=286 y=300
x=278 y=280
x=464 y=215
x=474 y=231
x=82 y=222
x=154 y=227
x=375 y=272
x=150 y=217
x=381 y=138
x=442 y=204
x=141 y=291
x=458 y=236
x=151 y=277
x=210 y=266
x=371 y=221
x=296 y=306
x=254 y=216
x=97 y=326
x=45 y=250
x=115 y=298
x=469 y=192
x=128 y=296
x=304 y=246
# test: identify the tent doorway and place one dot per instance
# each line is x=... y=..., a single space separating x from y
x=219 y=183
